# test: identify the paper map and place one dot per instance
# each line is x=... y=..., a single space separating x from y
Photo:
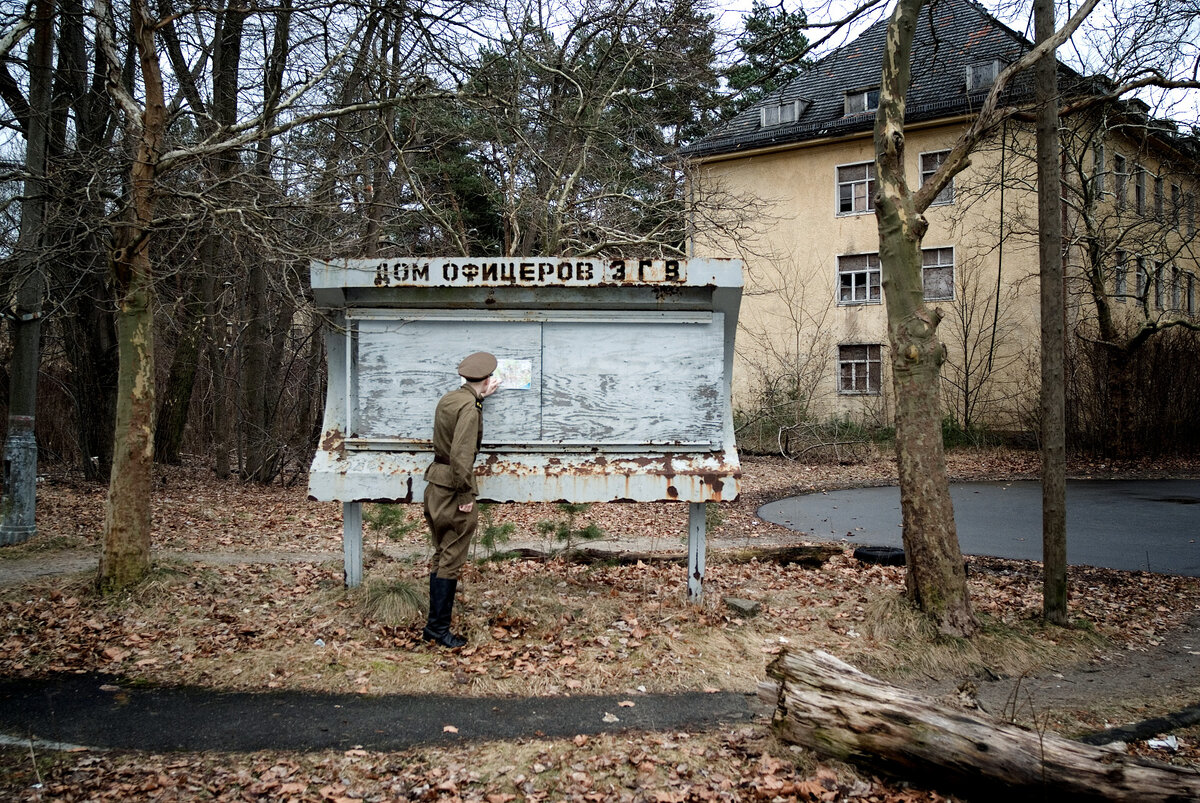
x=514 y=374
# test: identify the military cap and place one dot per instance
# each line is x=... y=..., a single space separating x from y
x=479 y=365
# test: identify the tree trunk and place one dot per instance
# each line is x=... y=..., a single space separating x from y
x=256 y=425
x=831 y=707
x=90 y=336
x=88 y=328
x=126 y=555
x=1120 y=418
x=18 y=520
x=1054 y=418
x=181 y=378
x=936 y=580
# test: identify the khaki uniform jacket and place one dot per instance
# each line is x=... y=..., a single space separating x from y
x=457 y=435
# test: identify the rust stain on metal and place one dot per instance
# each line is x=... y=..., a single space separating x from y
x=334 y=441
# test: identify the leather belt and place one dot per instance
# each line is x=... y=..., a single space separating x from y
x=445 y=461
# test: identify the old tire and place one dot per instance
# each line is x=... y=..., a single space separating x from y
x=882 y=555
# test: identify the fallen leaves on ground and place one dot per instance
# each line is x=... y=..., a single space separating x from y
x=255 y=601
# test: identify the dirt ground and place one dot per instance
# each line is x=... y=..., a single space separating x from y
x=248 y=583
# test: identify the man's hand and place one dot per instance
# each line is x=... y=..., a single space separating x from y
x=490 y=385
x=467 y=508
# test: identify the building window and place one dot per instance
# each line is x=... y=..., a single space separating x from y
x=1143 y=281
x=856 y=188
x=774 y=114
x=1177 y=207
x=1098 y=168
x=1119 y=179
x=937 y=272
x=982 y=74
x=1189 y=214
x=858 y=279
x=930 y=162
x=1120 y=277
x=1159 y=290
x=1176 y=289
x=1158 y=198
x=862 y=100
x=1191 y=294
x=1139 y=189
x=860 y=369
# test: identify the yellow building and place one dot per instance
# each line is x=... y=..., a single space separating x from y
x=788 y=184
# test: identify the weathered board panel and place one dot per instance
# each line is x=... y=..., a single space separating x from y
x=611 y=380
x=634 y=383
x=406 y=364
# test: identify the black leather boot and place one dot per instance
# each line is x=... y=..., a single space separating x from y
x=441 y=607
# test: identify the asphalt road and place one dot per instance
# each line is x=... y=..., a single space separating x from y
x=1131 y=525
x=99 y=711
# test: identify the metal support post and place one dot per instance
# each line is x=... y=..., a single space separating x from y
x=352 y=542
x=696 y=548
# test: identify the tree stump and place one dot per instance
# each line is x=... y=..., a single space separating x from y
x=831 y=707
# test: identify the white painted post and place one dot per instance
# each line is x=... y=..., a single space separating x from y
x=352 y=538
x=696 y=548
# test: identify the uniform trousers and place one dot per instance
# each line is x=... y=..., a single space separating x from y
x=451 y=528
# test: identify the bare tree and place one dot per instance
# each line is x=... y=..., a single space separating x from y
x=935 y=580
x=20 y=446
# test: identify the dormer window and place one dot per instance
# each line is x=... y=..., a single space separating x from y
x=862 y=100
x=774 y=114
x=983 y=74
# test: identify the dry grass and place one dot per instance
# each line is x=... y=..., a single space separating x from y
x=394 y=603
x=902 y=643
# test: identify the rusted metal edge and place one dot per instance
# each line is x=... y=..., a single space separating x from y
x=399 y=477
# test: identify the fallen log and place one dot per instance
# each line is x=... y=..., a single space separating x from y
x=829 y=706
x=812 y=556
x=802 y=554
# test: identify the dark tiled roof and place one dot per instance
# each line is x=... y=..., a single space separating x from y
x=950 y=36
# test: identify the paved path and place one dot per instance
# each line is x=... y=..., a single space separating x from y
x=1130 y=525
x=97 y=711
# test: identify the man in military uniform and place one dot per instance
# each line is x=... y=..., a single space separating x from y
x=451 y=488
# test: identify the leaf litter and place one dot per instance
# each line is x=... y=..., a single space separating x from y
x=247 y=593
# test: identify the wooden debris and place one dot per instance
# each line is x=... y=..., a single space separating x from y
x=831 y=707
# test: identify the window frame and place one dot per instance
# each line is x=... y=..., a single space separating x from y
x=778 y=108
x=995 y=70
x=952 y=265
x=1120 y=276
x=1142 y=280
x=866 y=273
x=946 y=196
x=1120 y=180
x=866 y=94
x=1160 y=201
x=1160 y=294
x=869 y=361
x=1139 y=189
x=1176 y=206
x=869 y=182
